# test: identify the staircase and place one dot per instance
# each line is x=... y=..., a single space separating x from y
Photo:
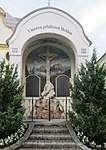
x=50 y=137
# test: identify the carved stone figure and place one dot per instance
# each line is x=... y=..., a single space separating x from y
x=48 y=91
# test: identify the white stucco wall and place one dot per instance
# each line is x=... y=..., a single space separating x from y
x=49 y=21
x=5 y=32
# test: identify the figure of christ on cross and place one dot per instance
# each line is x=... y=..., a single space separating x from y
x=48 y=91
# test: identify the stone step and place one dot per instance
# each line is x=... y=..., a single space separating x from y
x=52 y=140
x=49 y=145
x=51 y=130
x=49 y=137
x=47 y=149
x=48 y=126
x=50 y=133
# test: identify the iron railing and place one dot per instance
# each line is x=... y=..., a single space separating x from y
x=46 y=109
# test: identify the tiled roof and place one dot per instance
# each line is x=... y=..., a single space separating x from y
x=102 y=56
x=10 y=21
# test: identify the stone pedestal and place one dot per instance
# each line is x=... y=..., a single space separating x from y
x=41 y=109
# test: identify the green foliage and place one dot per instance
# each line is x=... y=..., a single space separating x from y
x=89 y=101
x=11 y=111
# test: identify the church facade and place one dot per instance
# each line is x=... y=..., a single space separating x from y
x=48 y=45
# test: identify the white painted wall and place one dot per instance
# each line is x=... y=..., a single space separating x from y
x=5 y=32
x=49 y=21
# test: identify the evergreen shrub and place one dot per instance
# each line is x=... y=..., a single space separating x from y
x=88 y=93
x=11 y=110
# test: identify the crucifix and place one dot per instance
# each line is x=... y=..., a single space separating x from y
x=48 y=91
x=48 y=57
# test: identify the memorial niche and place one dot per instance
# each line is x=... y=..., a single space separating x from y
x=47 y=64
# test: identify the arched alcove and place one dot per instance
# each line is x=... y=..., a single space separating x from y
x=35 y=63
x=53 y=29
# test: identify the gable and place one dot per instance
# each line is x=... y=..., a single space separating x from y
x=53 y=21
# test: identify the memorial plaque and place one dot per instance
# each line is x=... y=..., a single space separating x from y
x=63 y=89
x=32 y=86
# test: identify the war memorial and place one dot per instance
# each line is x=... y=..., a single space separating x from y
x=48 y=45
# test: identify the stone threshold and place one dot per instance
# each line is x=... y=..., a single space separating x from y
x=46 y=121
